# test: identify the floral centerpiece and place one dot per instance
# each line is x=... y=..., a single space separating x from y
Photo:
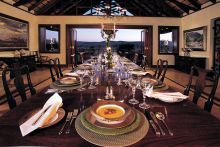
x=108 y=34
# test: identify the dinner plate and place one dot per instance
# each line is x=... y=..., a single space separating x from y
x=129 y=119
x=69 y=80
x=61 y=84
x=57 y=118
x=110 y=108
x=171 y=100
x=84 y=67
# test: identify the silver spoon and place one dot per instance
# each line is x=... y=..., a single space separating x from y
x=161 y=117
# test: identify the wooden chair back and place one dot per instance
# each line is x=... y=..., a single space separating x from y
x=205 y=78
x=19 y=84
x=161 y=69
x=135 y=59
x=55 y=69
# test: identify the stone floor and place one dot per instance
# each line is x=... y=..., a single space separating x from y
x=174 y=79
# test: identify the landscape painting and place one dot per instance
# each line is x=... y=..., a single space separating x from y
x=195 y=39
x=14 y=33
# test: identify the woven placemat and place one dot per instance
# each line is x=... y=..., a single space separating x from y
x=116 y=140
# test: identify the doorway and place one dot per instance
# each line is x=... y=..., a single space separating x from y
x=87 y=39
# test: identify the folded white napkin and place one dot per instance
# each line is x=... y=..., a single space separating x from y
x=71 y=74
x=169 y=96
x=43 y=116
x=149 y=90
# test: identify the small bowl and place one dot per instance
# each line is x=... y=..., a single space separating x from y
x=110 y=112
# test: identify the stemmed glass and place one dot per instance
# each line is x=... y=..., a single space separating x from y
x=133 y=84
x=81 y=74
x=147 y=90
x=91 y=76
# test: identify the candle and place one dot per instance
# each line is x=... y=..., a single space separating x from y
x=107 y=92
x=111 y=91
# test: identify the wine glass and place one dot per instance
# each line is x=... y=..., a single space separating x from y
x=81 y=74
x=91 y=76
x=133 y=84
x=147 y=89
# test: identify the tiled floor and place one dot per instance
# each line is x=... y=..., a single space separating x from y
x=174 y=79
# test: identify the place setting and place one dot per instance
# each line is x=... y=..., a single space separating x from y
x=76 y=80
x=111 y=123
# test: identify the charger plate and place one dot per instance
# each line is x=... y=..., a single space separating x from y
x=113 y=140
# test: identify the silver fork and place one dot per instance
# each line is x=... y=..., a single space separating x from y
x=75 y=112
x=68 y=118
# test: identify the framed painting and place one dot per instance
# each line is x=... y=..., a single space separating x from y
x=196 y=39
x=14 y=33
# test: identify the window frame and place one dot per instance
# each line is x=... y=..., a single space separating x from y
x=177 y=39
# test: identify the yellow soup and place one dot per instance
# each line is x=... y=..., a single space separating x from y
x=110 y=111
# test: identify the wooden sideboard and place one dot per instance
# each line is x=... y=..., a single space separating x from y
x=28 y=60
x=184 y=63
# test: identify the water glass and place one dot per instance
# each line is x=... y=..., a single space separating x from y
x=133 y=85
x=91 y=76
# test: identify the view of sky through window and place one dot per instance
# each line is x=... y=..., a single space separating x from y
x=94 y=35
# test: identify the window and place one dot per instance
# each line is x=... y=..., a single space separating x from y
x=49 y=38
x=168 y=39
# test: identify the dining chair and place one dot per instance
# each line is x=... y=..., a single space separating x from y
x=19 y=84
x=135 y=59
x=161 y=69
x=55 y=69
x=205 y=79
x=3 y=65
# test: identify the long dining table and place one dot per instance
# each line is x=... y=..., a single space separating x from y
x=191 y=125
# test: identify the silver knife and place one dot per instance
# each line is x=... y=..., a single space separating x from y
x=155 y=120
x=147 y=114
x=69 y=115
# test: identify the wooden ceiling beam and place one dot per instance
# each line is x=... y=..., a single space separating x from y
x=163 y=5
x=62 y=7
x=21 y=2
x=144 y=7
x=147 y=13
x=156 y=7
x=70 y=7
x=182 y=6
x=35 y=5
x=47 y=7
x=195 y=4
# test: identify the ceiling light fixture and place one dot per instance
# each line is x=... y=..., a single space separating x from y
x=109 y=8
